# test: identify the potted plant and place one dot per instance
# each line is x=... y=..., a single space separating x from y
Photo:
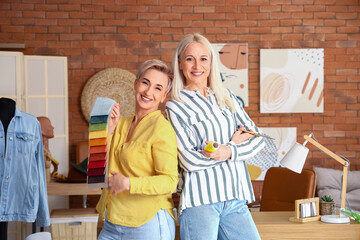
x=352 y=214
x=327 y=205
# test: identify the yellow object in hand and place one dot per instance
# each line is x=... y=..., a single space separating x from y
x=212 y=147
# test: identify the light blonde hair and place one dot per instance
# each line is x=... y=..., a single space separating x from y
x=214 y=80
x=159 y=66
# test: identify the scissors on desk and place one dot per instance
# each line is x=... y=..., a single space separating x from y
x=255 y=133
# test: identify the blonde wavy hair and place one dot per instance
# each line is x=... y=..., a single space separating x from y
x=214 y=79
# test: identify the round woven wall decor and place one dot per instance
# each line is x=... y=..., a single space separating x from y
x=114 y=83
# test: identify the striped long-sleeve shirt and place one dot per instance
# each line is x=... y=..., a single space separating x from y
x=204 y=180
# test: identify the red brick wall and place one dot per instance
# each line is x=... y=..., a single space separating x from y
x=123 y=33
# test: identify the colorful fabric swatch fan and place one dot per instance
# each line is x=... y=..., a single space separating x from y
x=98 y=143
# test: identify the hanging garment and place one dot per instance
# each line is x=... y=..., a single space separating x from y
x=23 y=193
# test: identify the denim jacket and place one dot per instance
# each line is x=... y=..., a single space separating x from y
x=23 y=194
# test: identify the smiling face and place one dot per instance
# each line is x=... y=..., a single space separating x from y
x=195 y=63
x=150 y=90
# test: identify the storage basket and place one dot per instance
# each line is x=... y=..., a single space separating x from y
x=69 y=224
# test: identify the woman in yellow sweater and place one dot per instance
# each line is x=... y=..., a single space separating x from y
x=143 y=164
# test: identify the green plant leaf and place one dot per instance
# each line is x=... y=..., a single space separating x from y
x=346 y=213
x=352 y=214
x=351 y=211
x=357 y=216
x=326 y=198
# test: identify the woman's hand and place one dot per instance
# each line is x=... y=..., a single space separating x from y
x=222 y=153
x=118 y=183
x=240 y=136
x=114 y=118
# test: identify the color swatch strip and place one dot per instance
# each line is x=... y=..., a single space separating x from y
x=98 y=143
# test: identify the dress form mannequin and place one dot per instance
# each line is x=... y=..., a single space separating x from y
x=47 y=131
x=7 y=111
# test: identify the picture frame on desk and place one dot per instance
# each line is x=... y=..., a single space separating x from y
x=306 y=210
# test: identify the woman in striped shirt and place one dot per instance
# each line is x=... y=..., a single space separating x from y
x=215 y=187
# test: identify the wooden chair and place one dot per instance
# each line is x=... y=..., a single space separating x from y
x=282 y=187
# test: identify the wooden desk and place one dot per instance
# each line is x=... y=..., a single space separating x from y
x=67 y=189
x=276 y=225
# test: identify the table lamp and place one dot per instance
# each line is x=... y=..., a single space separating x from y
x=295 y=160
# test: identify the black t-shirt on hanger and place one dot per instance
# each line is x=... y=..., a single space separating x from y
x=7 y=111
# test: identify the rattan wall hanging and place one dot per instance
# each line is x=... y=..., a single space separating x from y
x=114 y=83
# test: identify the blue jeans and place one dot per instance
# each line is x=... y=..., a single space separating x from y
x=224 y=220
x=160 y=227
